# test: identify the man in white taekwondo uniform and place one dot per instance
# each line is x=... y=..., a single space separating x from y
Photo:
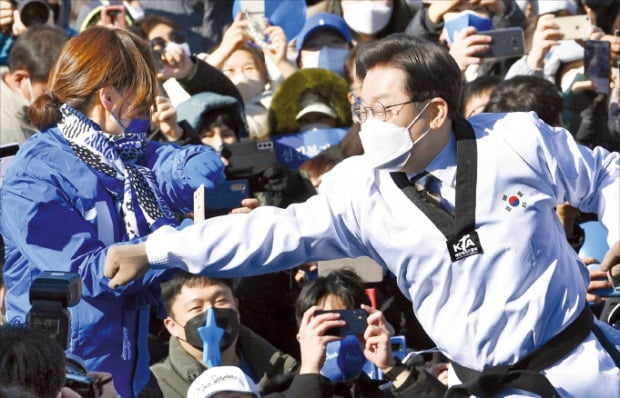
x=492 y=279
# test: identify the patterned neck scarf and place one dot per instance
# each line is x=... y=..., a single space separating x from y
x=143 y=207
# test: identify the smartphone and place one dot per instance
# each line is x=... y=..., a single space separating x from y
x=573 y=27
x=243 y=157
x=355 y=322
x=226 y=195
x=113 y=16
x=596 y=63
x=254 y=13
x=506 y=43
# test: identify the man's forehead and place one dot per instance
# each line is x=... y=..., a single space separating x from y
x=383 y=82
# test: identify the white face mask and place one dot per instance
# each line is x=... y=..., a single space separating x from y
x=136 y=12
x=367 y=17
x=386 y=145
x=327 y=58
x=30 y=92
x=248 y=88
x=185 y=46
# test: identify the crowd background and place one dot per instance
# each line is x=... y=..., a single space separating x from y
x=223 y=83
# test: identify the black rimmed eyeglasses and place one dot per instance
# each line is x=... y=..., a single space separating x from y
x=377 y=110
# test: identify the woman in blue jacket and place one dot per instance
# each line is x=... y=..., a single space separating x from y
x=90 y=179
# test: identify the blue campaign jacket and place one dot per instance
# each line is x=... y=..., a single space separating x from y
x=55 y=214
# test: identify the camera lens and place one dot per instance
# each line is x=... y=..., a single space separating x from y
x=33 y=12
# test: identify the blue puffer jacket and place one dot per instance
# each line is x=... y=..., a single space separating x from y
x=55 y=214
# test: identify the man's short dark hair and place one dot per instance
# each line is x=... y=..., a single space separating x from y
x=37 y=50
x=31 y=359
x=342 y=283
x=172 y=288
x=431 y=70
x=525 y=94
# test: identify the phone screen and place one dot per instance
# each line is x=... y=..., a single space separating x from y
x=596 y=58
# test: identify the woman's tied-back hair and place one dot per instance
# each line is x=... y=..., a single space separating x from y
x=96 y=58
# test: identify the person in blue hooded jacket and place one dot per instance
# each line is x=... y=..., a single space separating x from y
x=90 y=178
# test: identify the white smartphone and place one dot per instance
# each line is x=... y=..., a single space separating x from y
x=573 y=27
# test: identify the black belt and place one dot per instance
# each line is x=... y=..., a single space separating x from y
x=525 y=374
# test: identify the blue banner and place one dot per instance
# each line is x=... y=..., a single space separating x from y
x=294 y=149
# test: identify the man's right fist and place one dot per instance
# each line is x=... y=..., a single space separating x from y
x=125 y=263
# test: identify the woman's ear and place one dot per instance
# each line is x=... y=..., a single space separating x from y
x=105 y=98
x=108 y=97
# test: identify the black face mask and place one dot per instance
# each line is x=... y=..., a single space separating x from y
x=225 y=318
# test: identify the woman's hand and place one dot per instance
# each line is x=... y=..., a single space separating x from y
x=6 y=14
x=165 y=117
x=466 y=45
x=234 y=36
x=278 y=49
x=176 y=63
x=546 y=35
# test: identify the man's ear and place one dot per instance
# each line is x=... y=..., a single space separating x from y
x=172 y=326
x=15 y=78
x=439 y=112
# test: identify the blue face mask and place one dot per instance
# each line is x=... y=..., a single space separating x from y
x=132 y=143
x=344 y=359
x=463 y=20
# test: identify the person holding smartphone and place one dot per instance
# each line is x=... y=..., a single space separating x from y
x=333 y=359
x=477 y=249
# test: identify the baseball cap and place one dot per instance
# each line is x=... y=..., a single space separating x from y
x=320 y=21
x=547 y=6
x=312 y=102
x=220 y=379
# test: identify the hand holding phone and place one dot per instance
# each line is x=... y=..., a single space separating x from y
x=355 y=322
x=226 y=195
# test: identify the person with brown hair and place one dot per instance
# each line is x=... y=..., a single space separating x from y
x=90 y=178
x=478 y=249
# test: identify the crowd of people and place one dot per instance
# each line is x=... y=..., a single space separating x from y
x=351 y=129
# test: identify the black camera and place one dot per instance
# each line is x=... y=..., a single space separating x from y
x=51 y=293
x=33 y=11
